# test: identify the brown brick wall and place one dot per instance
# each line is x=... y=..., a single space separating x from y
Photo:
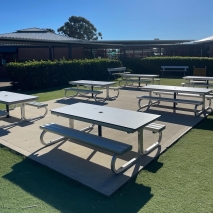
x=77 y=52
x=60 y=53
x=33 y=53
x=43 y=53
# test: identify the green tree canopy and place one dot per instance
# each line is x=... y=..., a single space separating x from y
x=50 y=30
x=79 y=27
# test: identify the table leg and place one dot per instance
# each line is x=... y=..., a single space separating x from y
x=71 y=123
x=140 y=140
x=22 y=106
x=203 y=99
x=8 y=110
x=174 y=104
x=92 y=90
x=99 y=131
x=107 y=92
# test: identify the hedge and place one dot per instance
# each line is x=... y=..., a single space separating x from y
x=44 y=74
x=152 y=65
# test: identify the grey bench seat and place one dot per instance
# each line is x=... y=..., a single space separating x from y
x=118 y=73
x=3 y=113
x=38 y=105
x=132 y=80
x=158 y=99
x=174 y=69
x=171 y=100
x=115 y=147
x=155 y=128
x=208 y=97
x=183 y=94
x=197 y=84
x=80 y=91
x=113 y=88
x=104 y=87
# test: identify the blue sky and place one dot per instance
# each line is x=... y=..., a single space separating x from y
x=115 y=19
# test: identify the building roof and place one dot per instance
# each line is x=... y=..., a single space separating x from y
x=37 y=36
x=145 y=42
x=204 y=40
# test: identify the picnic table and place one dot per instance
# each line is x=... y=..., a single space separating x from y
x=92 y=84
x=164 y=89
x=198 y=81
x=12 y=98
x=146 y=78
x=119 y=119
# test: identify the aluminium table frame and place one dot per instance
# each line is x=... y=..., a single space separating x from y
x=94 y=121
x=102 y=84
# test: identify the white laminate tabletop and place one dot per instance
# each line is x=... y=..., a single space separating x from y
x=13 y=98
x=92 y=83
x=139 y=75
x=120 y=119
x=198 y=78
x=177 y=89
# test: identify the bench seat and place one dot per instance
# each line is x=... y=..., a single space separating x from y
x=115 y=147
x=80 y=91
x=208 y=97
x=3 y=113
x=155 y=128
x=171 y=100
x=132 y=80
x=183 y=94
x=174 y=69
x=158 y=99
x=197 y=84
x=110 y=88
x=118 y=73
x=38 y=105
x=83 y=90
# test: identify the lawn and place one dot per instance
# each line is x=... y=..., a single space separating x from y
x=179 y=180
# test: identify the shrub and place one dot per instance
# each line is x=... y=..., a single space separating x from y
x=44 y=74
x=152 y=65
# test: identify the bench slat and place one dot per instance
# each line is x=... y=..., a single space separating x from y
x=171 y=100
x=90 y=139
x=116 y=69
x=136 y=80
x=36 y=104
x=197 y=84
x=84 y=90
x=3 y=113
x=184 y=94
x=154 y=127
x=118 y=73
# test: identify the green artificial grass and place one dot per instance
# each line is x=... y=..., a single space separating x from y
x=179 y=180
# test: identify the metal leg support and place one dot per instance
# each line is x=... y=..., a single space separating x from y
x=133 y=160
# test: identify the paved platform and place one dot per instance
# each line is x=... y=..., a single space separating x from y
x=86 y=165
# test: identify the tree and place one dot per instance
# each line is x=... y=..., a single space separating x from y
x=79 y=27
x=50 y=30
